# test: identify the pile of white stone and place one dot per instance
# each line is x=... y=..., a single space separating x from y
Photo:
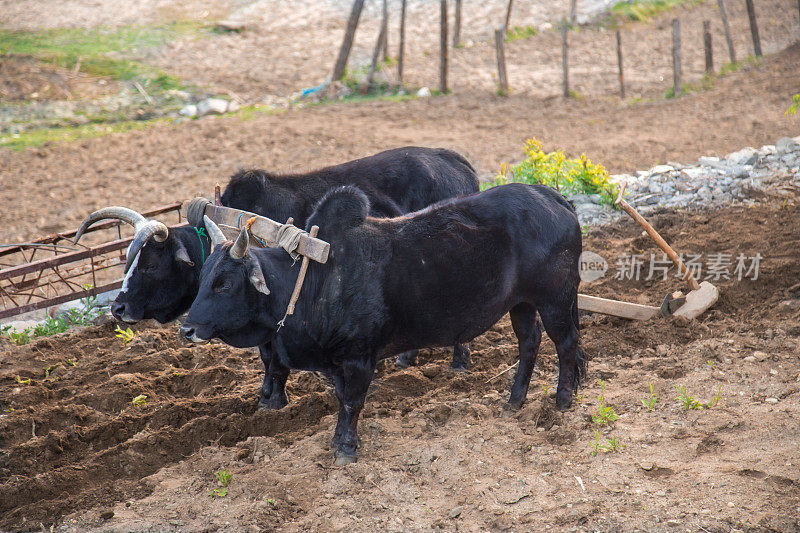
x=209 y=106
x=741 y=177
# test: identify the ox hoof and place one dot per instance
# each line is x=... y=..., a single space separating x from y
x=563 y=400
x=272 y=404
x=511 y=408
x=461 y=369
x=407 y=359
x=342 y=460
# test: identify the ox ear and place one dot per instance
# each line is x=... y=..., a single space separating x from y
x=182 y=255
x=340 y=209
x=256 y=277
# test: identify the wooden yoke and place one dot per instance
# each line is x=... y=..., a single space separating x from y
x=230 y=221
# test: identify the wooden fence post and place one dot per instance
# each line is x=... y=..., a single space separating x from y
x=564 y=62
x=443 y=48
x=508 y=13
x=751 y=14
x=457 y=25
x=385 y=23
x=724 y=16
x=376 y=54
x=707 y=45
x=573 y=11
x=402 y=46
x=347 y=42
x=502 y=78
x=619 y=63
x=676 y=57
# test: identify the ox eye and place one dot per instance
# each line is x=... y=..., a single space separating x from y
x=222 y=286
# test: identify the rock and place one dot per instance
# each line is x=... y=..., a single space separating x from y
x=647 y=465
x=681 y=200
x=704 y=193
x=596 y=198
x=741 y=171
x=212 y=106
x=713 y=162
x=673 y=522
x=661 y=169
x=741 y=157
x=588 y=211
x=188 y=110
x=654 y=188
x=424 y=92
x=455 y=512
x=695 y=172
x=233 y=106
x=719 y=193
x=581 y=199
x=662 y=349
x=108 y=514
x=785 y=145
x=766 y=150
x=771 y=400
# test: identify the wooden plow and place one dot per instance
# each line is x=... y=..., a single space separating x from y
x=699 y=299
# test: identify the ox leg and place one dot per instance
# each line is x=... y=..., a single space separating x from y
x=460 y=358
x=528 y=329
x=273 y=390
x=407 y=359
x=562 y=330
x=351 y=390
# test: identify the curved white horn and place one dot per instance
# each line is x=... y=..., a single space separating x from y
x=114 y=212
x=217 y=237
x=239 y=247
x=151 y=228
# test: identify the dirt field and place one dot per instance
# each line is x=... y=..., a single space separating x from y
x=437 y=450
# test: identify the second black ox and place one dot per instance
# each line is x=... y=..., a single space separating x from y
x=436 y=277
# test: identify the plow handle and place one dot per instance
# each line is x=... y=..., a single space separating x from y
x=682 y=268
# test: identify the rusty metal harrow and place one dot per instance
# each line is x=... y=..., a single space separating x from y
x=52 y=270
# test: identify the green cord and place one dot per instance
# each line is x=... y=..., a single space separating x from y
x=201 y=232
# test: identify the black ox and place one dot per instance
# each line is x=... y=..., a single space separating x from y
x=437 y=277
x=162 y=278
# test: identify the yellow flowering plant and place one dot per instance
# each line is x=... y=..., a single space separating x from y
x=568 y=176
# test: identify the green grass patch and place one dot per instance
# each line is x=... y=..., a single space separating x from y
x=708 y=80
x=520 y=32
x=52 y=326
x=99 y=50
x=38 y=137
x=792 y=111
x=573 y=176
x=643 y=10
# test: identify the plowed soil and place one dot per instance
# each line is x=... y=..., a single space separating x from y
x=437 y=449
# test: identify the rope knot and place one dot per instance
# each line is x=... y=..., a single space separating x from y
x=196 y=210
x=288 y=238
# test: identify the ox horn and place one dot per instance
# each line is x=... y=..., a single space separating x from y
x=145 y=229
x=239 y=247
x=217 y=237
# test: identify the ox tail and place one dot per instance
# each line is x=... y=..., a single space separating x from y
x=580 y=356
